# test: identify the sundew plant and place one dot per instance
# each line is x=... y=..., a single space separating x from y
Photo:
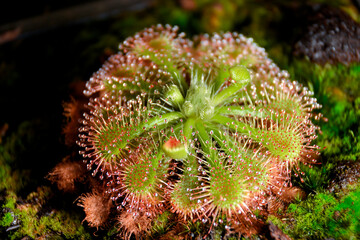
x=208 y=129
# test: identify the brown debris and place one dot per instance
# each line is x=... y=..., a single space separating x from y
x=66 y=173
x=134 y=223
x=247 y=225
x=189 y=5
x=292 y=193
x=72 y=111
x=10 y=35
x=3 y=130
x=97 y=208
x=276 y=233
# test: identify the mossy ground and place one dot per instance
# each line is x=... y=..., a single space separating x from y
x=36 y=75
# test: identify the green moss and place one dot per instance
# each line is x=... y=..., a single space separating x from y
x=347 y=226
x=10 y=202
x=58 y=223
x=36 y=223
x=8 y=208
x=314 y=179
x=194 y=229
x=111 y=233
x=65 y=224
x=323 y=216
x=12 y=177
x=161 y=224
x=7 y=219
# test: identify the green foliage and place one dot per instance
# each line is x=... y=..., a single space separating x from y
x=61 y=223
x=5 y=176
x=347 y=225
x=111 y=233
x=323 y=216
x=34 y=222
x=10 y=202
x=194 y=228
x=316 y=178
x=161 y=224
x=314 y=216
x=341 y=134
x=57 y=223
x=7 y=219
x=12 y=177
x=337 y=89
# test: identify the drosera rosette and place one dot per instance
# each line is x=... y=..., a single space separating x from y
x=210 y=130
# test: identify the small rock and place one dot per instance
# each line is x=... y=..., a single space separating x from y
x=347 y=172
x=332 y=36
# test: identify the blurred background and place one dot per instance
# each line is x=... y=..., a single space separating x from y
x=48 y=48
